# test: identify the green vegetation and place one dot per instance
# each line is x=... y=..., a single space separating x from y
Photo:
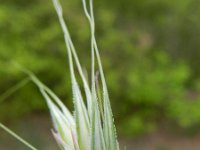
x=91 y=126
x=150 y=53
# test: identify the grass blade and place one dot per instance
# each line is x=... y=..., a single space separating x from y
x=17 y=137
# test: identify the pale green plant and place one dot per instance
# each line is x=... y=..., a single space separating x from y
x=91 y=127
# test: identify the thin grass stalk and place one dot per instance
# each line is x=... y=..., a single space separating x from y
x=17 y=137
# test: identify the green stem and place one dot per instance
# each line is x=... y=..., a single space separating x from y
x=14 y=89
x=17 y=137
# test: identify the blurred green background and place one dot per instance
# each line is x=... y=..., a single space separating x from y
x=150 y=51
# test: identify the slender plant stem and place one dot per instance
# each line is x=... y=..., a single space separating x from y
x=17 y=137
x=14 y=89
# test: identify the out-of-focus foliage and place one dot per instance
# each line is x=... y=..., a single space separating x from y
x=150 y=53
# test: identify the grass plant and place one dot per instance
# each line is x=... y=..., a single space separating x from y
x=91 y=126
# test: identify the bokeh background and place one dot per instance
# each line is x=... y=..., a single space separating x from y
x=151 y=55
